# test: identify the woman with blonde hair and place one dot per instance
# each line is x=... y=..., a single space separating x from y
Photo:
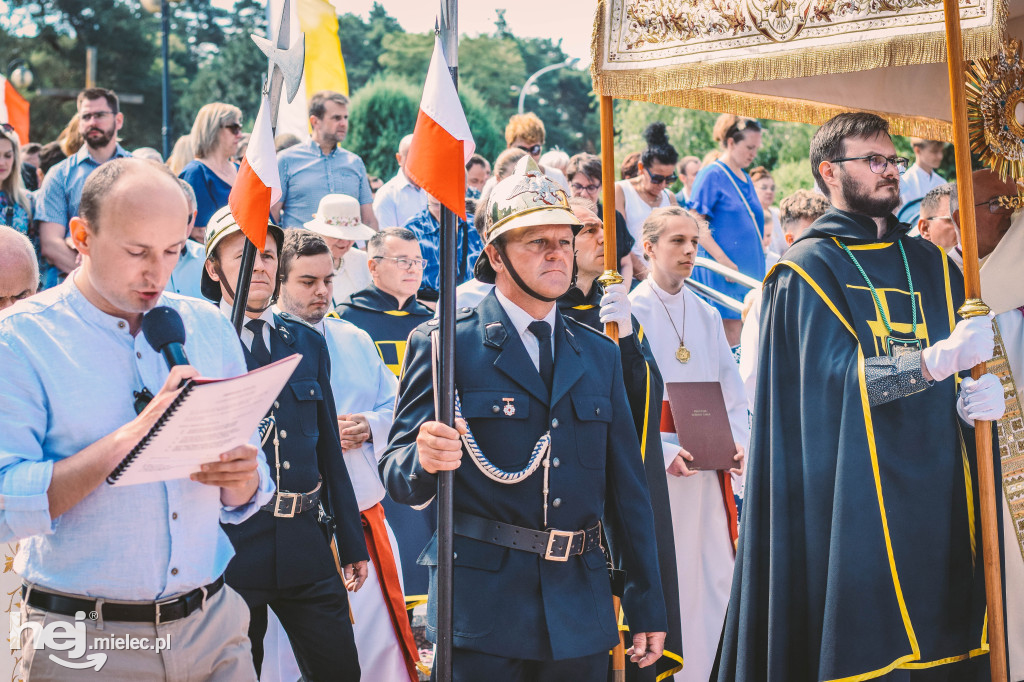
x=689 y=345
x=181 y=154
x=724 y=194
x=15 y=202
x=215 y=135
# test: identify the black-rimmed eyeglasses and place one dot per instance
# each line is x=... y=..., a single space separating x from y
x=878 y=163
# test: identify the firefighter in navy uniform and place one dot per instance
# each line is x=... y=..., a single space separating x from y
x=283 y=558
x=551 y=463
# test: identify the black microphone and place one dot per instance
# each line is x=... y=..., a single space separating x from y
x=165 y=332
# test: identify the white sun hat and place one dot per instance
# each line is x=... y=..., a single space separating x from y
x=338 y=217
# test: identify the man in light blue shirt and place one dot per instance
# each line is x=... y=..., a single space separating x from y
x=399 y=200
x=99 y=120
x=313 y=169
x=188 y=273
x=145 y=559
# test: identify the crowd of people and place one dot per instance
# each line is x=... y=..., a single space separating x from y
x=95 y=235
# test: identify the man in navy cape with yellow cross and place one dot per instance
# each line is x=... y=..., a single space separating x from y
x=859 y=551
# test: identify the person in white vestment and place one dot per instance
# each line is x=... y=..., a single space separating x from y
x=702 y=503
x=1000 y=234
x=364 y=390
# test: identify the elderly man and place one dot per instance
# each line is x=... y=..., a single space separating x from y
x=145 y=560
x=399 y=199
x=534 y=600
x=320 y=166
x=99 y=120
x=936 y=221
x=188 y=273
x=364 y=391
x=19 y=268
x=857 y=553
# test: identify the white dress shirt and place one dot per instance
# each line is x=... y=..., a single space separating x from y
x=397 y=201
x=521 y=320
x=246 y=335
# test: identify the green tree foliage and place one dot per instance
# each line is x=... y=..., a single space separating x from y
x=362 y=43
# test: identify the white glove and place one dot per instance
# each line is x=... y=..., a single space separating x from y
x=973 y=341
x=615 y=308
x=982 y=399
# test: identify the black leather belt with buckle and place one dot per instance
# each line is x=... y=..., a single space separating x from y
x=158 y=612
x=553 y=545
x=286 y=504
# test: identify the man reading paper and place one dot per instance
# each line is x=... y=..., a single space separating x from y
x=76 y=378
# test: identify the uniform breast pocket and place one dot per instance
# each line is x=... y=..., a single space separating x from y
x=495 y=405
x=308 y=395
x=593 y=415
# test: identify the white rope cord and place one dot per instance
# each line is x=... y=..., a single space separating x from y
x=489 y=469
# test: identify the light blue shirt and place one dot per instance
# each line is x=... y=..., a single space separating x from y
x=58 y=198
x=307 y=175
x=398 y=201
x=188 y=273
x=68 y=373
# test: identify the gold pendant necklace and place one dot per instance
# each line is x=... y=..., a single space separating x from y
x=682 y=353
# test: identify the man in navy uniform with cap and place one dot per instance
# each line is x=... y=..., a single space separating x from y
x=283 y=558
x=546 y=461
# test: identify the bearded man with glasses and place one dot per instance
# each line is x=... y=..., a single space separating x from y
x=99 y=120
x=858 y=549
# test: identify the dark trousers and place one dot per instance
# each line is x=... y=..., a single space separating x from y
x=316 y=618
x=474 y=666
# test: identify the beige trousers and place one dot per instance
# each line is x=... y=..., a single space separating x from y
x=211 y=644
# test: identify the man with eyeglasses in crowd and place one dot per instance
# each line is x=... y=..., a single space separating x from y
x=858 y=551
x=526 y=132
x=935 y=223
x=99 y=120
x=388 y=311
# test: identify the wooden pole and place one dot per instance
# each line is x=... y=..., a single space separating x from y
x=974 y=307
x=611 y=265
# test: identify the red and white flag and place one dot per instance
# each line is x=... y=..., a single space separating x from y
x=14 y=109
x=258 y=185
x=441 y=142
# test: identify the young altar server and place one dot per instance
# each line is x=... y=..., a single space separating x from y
x=688 y=340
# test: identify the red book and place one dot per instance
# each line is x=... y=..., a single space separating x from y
x=701 y=422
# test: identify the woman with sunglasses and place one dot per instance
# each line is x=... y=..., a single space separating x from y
x=637 y=197
x=215 y=136
x=15 y=203
x=725 y=195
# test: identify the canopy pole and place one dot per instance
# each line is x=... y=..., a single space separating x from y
x=611 y=274
x=974 y=307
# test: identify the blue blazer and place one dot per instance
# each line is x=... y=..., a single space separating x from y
x=508 y=602
x=274 y=552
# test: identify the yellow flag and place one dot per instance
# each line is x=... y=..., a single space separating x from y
x=325 y=67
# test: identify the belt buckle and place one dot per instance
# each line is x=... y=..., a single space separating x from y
x=552 y=534
x=291 y=497
x=159 y=605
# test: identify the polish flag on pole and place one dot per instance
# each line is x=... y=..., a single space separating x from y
x=258 y=185
x=14 y=109
x=441 y=142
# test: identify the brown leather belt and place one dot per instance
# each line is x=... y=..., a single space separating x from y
x=285 y=505
x=553 y=545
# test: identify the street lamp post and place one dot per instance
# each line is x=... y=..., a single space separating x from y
x=530 y=81
x=164 y=7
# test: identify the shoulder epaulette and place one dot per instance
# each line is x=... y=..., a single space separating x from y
x=577 y=326
x=288 y=317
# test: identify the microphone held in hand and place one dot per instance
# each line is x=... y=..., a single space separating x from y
x=165 y=332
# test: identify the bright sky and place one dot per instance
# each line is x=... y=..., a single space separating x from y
x=570 y=20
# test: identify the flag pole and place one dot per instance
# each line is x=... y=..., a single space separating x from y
x=449 y=35
x=974 y=307
x=277 y=82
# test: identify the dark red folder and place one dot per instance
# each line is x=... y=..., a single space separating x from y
x=702 y=424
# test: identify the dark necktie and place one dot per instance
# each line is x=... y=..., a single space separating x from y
x=542 y=330
x=260 y=352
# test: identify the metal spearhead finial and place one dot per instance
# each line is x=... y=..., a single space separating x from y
x=288 y=62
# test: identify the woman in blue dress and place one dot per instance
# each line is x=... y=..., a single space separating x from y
x=724 y=194
x=215 y=136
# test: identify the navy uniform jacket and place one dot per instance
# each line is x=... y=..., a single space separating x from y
x=507 y=602
x=273 y=552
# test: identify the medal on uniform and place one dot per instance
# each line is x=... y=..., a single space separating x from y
x=510 y=408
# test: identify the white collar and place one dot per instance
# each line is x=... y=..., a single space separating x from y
x=520 y=318
x=267 y=316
